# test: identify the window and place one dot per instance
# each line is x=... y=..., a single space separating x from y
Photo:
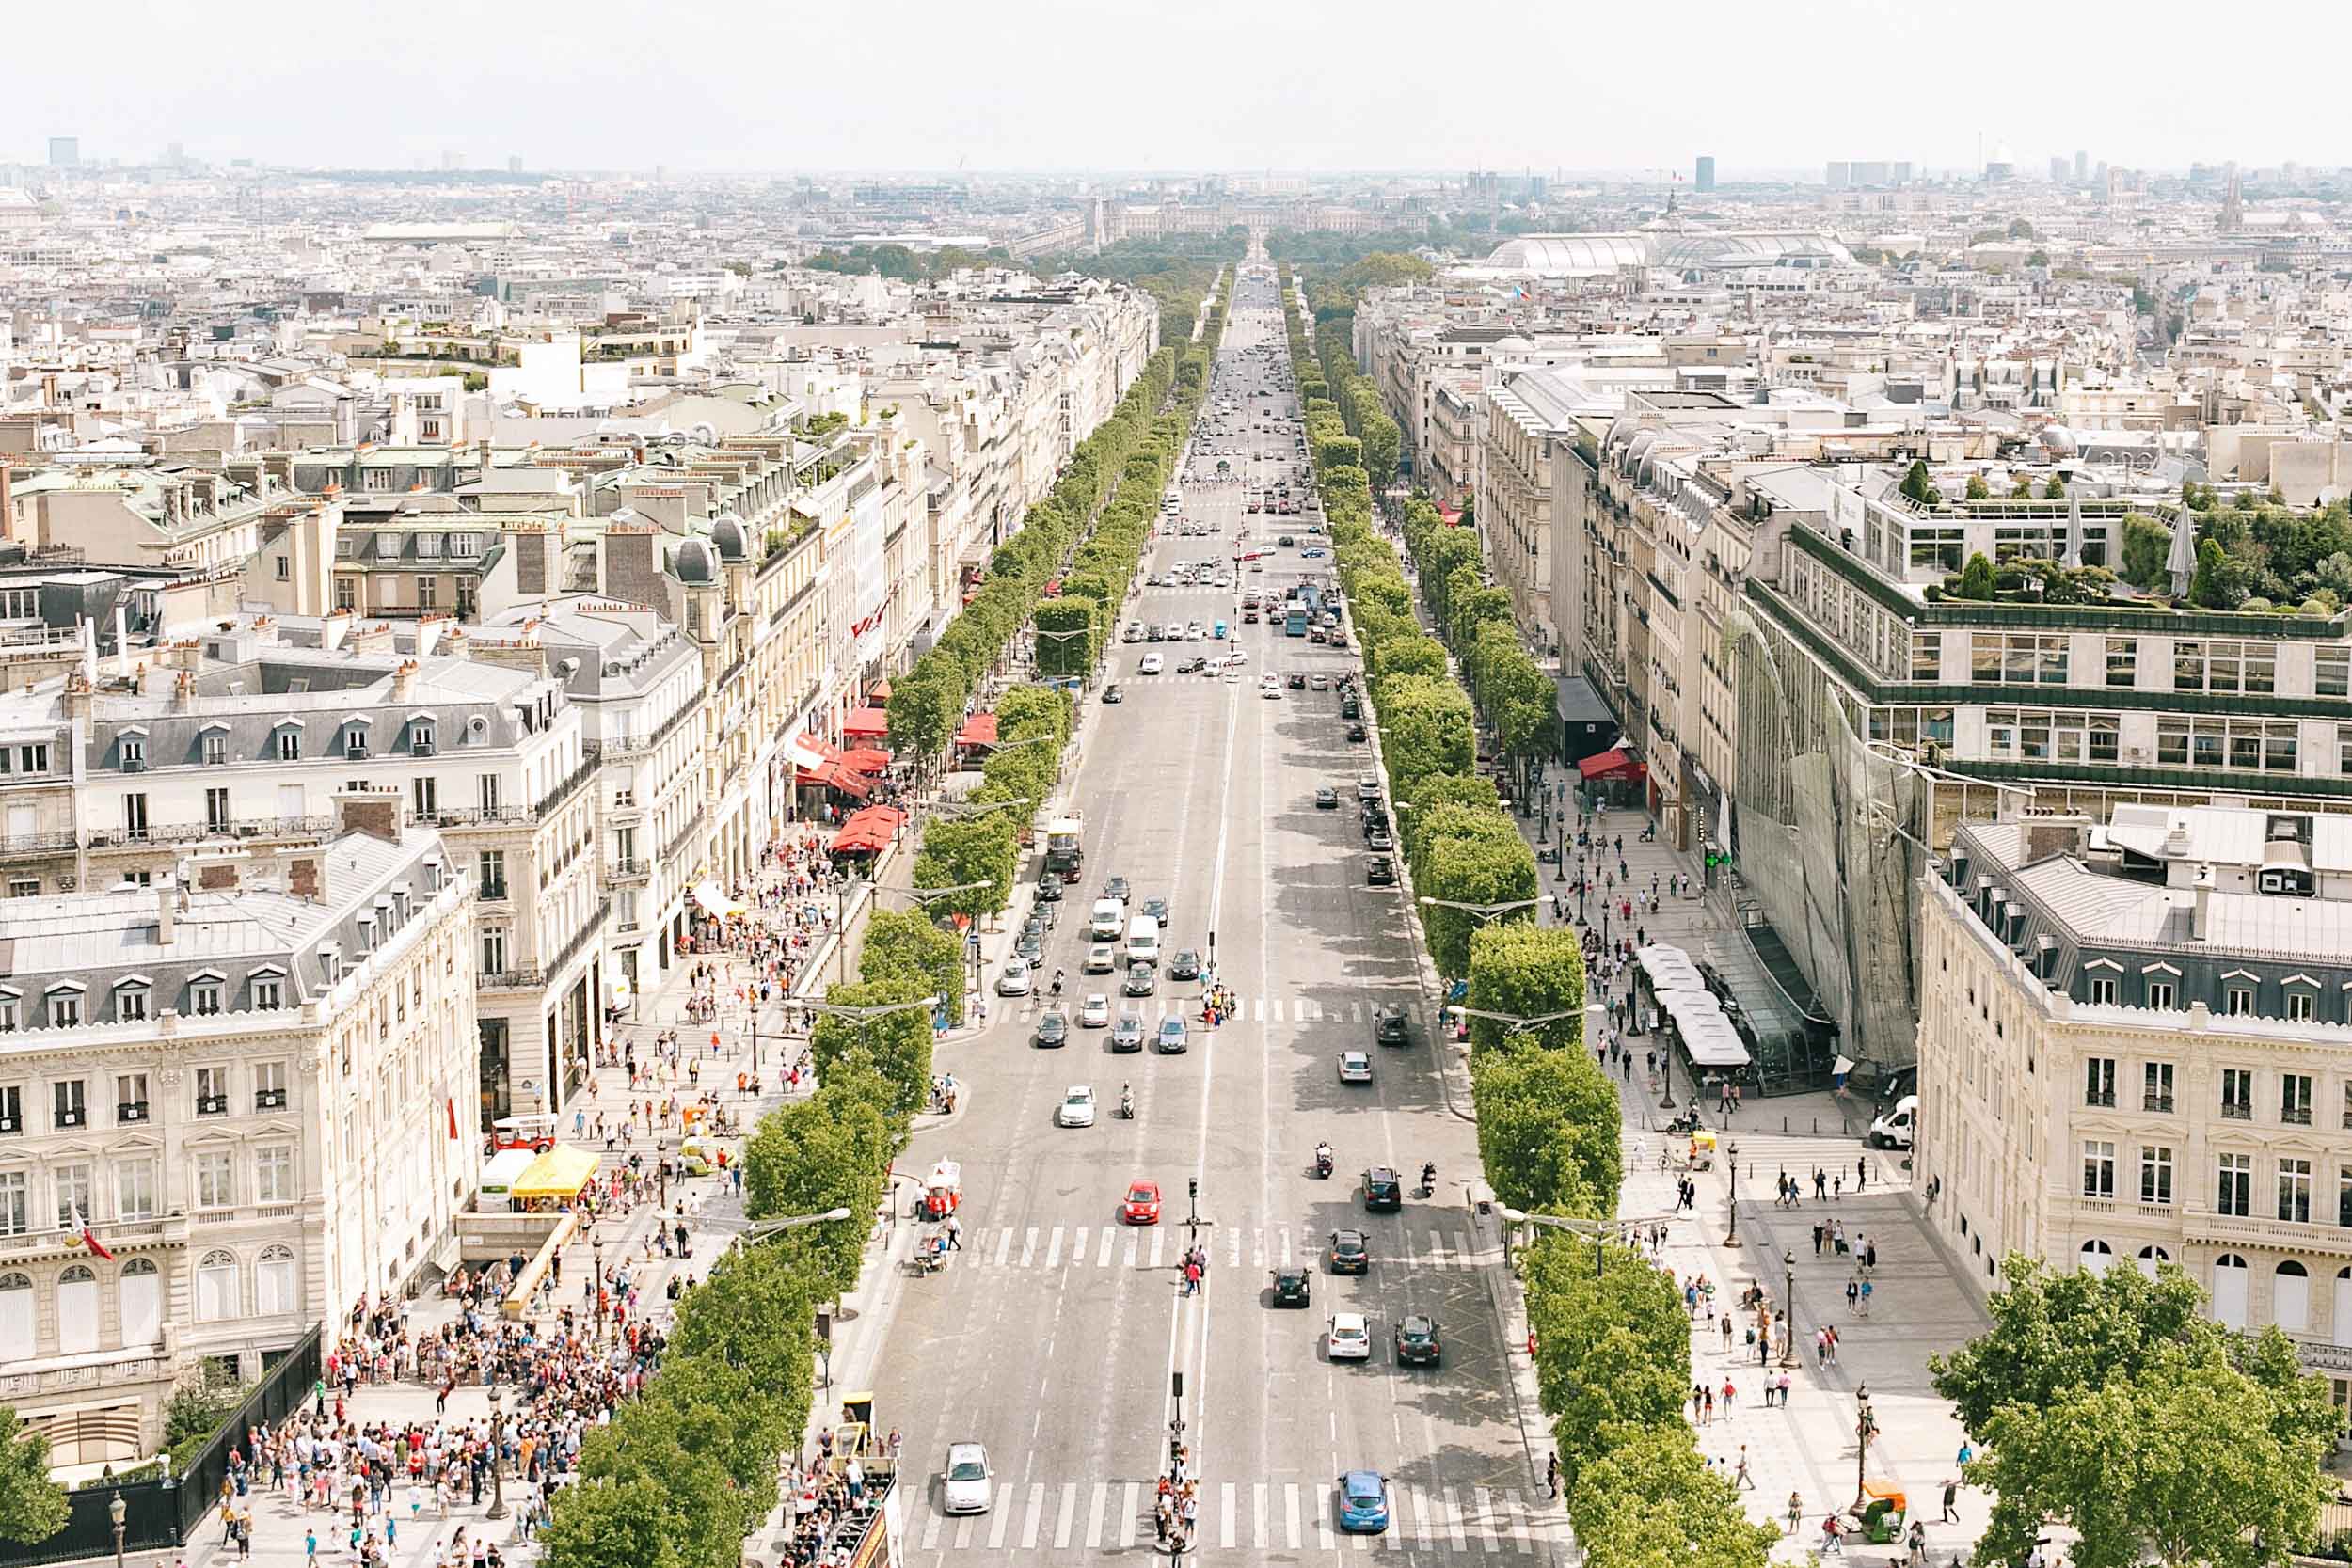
x=2155 y=1084
x=377 y=479
x=2099 y=1081
x=1927 y=655
x=135 y=1189
x=24 y=887
x=2343 y=1197
x=274 y=1282
x=2241 y=1001
x=2237 y=1094
x=2299 y=1005
x=270 y=1078
x=212 y=1091
x=1938 y=548
x=134 y=817
x=215 y=1179
x=73 y=1185
x=216 y=1286
x=289 y=745
x=216 y=810
x=2252 y=744
x=32 y=758
x=424 y=796
x=11 y=1108
x=216 y=751
x=2295 y=1189
x=2332 y=672
x=490 y=874
x=2156 y=1174
x=428 y=593
x=354 y=744
x=493 y=950
x=2098 y=1168
x=2018 y=659
x=132 y=751
x=131 y=1097
x=68 y=1100
x=487 y=793
x=2122 y=662
x=2160 y=995
x=269 y=992
x=130 y=1003
x=204 y=997
x=2234 y=1194
x=2295 y=1099
x=273 y=1174
x=2103 y=990
x=346 y=592
x=421 y=740
x=16 y=1203
x=283 y=569
x=2199 y=665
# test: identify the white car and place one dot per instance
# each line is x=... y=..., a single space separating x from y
x=1151 y=665
x=1237 y=658
x=965 y=1487
x=1355 y=1068
x=1351 y=1337
x=1016 y=980
x=1101 y=958
x=1270 y=689
x=1095 y=1013
x=1077 y=1107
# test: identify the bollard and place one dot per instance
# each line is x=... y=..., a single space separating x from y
x=1784 y=1125
x=1817 y=1127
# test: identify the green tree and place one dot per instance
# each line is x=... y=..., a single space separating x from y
x=923 y=712
x=983 y=850
x=2219 y=582
x=2146 y=544
x=896 y=1044
x=1977 y=489
x=811 y=1156
x=1649 y=1500
x=722 y=1412
x=597 y=1525
x=1067 y=637
x=1489 y=865
x=1525 y=970
x=1548 y=1130
x=642 y=1443
x=901 y=944
x=2054 y=489
x=33 y=1508
x=1915 y=488
x=1975 y=578
x=1613 y=1347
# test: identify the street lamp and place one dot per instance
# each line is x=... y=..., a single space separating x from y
x=1789 y=1307
x=1865 y=1427
x=115 y=1510
x=1733 y=1240
x=498 y=1449
x=1483 y=911
x=957 y=812
x=1598 y=1230
x=754 y=1234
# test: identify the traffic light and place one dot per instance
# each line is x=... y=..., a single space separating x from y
x=1192 y=1190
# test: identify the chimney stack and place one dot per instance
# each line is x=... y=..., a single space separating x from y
x=183 y=692
x=373 y=812
x=405 y=681
x=166 y=910
x=2200 y=910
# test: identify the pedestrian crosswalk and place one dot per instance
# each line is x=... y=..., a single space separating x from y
x=1250 y=1516
x=1046 y=1249
x=1252 y=1010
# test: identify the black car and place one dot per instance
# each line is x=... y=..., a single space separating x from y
x=1140 y=981
x=1390 y=1026
x=1113 y=694
x=1286 y=540
x=1185 y=965
x=1327 y=799
x=1357 y=731
x=1158 y=910
x=1417 y=1341
x=1053 y=1031
x=1380 y=871
x=1351 y=1252
x=1294 y=1288
x=1154 y=634
x=1297 y=681
x=1049 y=888
x=1115 y=888
x=1384 y=1190
x=1349 y=706
x=1192 y=666
x=1031 y=946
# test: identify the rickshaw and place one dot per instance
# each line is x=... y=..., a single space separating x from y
x=1884 y=1511
x=1702 y=1154
x=943 y=1189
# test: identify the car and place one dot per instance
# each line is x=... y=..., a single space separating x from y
x=1286 y=540
x=1115 y=888
x=1350 y=1338
x=1053 y=1031
x=1417 y=1343
x=1112 y=693
x=1391 y=1025
x=1316 y=634
x=1016 y=978
x=1314 y=552
x=1350 y=708
x=1170 y=1041
x=1185 y=965
x=1095 y=1011
x=1363 y=1497
x=1175 y=632
x=1327 y=799
x=1049 y=889
x=1195 y=632
x=1319 y=682
x=1355 y=1068
x=1153 y=635
x=1350 y=1252
x=1127 y=1033
x=1135 y=633
x=1101 y=958
x=1367 y=788
x=1384 y=1191
x=1141 y=1206
x=1031 y=946
x=1249 y=616
x=1358 y=733
x=1192 y=666
x=1270 y=691
x=1150 y=665
x=1376 y=837
x=964 y=1484
x=1158 y=910
x=1140 y=981
x=1294 y=1288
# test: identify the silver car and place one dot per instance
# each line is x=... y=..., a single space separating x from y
x=965 y=1487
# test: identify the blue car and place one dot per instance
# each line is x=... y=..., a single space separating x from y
x=1315 y=554
x=1364 y=1502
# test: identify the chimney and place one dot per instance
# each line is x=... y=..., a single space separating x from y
x=373 y=812
x=2200 y=907
x=183 y=692
x=335 y=630
x=166 y=910
x=77 y=699
x=405 y=681
x=429 y=633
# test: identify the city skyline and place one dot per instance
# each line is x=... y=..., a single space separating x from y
x=1561 y=97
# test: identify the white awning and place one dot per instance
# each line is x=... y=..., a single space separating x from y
x=715 y=902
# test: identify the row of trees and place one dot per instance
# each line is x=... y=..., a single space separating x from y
x=1612 y=1359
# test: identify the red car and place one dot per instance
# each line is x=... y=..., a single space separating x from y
x=1142 y=1204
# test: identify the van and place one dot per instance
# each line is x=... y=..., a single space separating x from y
x=1143 y=940
x=1110 y=916
x=1893 y=1130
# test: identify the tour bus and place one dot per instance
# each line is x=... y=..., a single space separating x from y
x=1171 y=503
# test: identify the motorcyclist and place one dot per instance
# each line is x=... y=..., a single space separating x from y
x=1323 y=1156
x=1126 y=1100
x=1429 y=1176
x=1058 y=975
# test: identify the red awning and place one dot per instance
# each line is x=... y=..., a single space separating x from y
x=868 y=830
x=837 y=775
x=881 y=694
x=1612 y=764
x=866 y=723
x=979 y=730
x=866 y=759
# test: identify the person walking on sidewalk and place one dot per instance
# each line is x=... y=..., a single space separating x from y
x=1951 y=1502
x=1796 y=1513
x=1551 y=1479
x=1739 y=1477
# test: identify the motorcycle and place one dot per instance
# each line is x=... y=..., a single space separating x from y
x=1323 y=1162
x=1126 y=1107
x=1428 y=1180
x=1685 y=1124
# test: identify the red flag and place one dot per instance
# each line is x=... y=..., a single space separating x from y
x=90 y=1237
x=452 y=1102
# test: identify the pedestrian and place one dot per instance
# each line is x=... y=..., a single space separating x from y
x=1820 y=1234
x=1951 y=1502
x=1731 y=1397
x=1783 y=1390
x=1861 y=1173
x=1865 y=1298
x=1726 y=1321
x=1796 y=1513
x=1829 y=1535
x=1739 y=1476
x=1551 y=1479
x=1853 y=1296
x=1919 y=1543
x=1707 y=1416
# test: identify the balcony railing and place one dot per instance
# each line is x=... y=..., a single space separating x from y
x=2295 y=1115
x=2231 y=1111
x=628 y=870
x=536 y=975
x=35 y=844
x=554 y=799
x=2105 y=1100
x=2157 y=1102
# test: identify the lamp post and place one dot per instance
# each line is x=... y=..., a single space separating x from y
x=1598 y=1230
x=1733 y=1239
x=751 y=1235
x=1789 y=1307
x=115 y=1510
x=498 y=1454
x=957 y=812
x=1865 y=1427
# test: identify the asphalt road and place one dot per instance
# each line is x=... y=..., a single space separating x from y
x=1052 y=1336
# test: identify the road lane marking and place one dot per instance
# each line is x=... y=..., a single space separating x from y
x=1078 y=1246
x=1102 y=1256
x=1131 y=1504
x=1097 y=1513
x=1159 y=1244
x=1450 y=1503
x=1436 y=1250
x=1464 y=1251
x=1053 y=1249
x=1290 y=1514
x=1258 y=1517
x=1135 y=1240
x=1234 y=1250
x=1421 y=1521
x=930 y=1531
x=1323 y=1516
x=1036 y=1516
x=1029 y=1246
x=1515 y=1510
x=1486 y=1533
x=963 y=1530
x=1067 y=1516
x=1225 y=1516
x=1310 y=1011
x=997 y=1524
x=1004 y=1246
x=1286 y=1248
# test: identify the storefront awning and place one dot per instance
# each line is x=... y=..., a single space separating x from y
x=881 y=694
x=715 y=902
x=560 y=1173
x=1612 y=764
x=868 y=830
x=810 y=754
x=1668 y=968
x=979 y=730
x=1712 y=1042
x=866 y=723
x=866 y=759
x=837 y=775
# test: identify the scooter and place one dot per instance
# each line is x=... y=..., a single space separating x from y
x=1126 y=1107
x=1428 y=1181
x=1322 y=1163
x=1685 y=1124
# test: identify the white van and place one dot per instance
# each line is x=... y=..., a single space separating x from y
x=1143 y=940
x=1893 y=1130
x=1110 y=917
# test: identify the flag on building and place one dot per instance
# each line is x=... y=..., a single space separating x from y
x=90 y=1237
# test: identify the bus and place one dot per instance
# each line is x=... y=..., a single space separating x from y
x=1171 y=503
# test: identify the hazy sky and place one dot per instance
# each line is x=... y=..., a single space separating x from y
x=1210 y=83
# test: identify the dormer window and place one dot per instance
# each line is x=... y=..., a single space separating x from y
x=131 y=752
x=420 y=744
x=131 y=999
x=205 y=992
x=367 y=933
